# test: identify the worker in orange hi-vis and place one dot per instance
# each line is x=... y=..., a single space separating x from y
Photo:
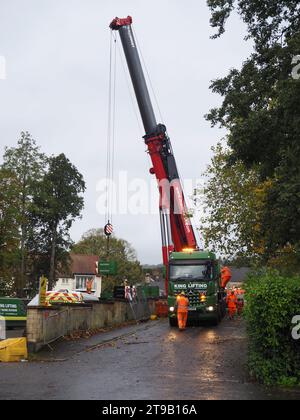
x=232 y=305
x=225 y=276
x=182 y=310
x=89 y=286
x=240 y=305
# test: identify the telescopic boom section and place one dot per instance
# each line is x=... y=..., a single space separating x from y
x=136 y=72
x=177 y=231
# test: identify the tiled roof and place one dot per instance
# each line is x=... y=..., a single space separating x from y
x=81 y=264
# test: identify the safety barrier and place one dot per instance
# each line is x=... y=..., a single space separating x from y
x=162 y=309
x=55 y=325
x=13 y=350
x=47 y=324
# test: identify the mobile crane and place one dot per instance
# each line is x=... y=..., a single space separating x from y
x=187 y=268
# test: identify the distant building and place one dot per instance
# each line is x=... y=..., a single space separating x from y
x=239 y=275
x=148 y=279
x=83 y=270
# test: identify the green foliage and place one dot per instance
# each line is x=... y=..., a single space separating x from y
x=261 y=107
x=272 y=303
x=56 y=203
x=94 y=242
x=261 y=111
x=26 y=163
x=233 y=200
x=40 y=198
x=9 y=231
x=268 y=22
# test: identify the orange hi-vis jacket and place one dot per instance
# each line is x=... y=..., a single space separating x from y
x=182 y=304
x=225 y=276
x=232 y=301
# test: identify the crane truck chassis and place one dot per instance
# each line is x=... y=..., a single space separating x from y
x=188 y=269
x=197 y=274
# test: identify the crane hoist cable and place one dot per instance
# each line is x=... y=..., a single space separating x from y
x=111 y=130
x=111 y=137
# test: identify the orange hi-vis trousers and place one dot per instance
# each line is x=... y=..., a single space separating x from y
x=182 y=311
x=232 y=311
x=182 y=317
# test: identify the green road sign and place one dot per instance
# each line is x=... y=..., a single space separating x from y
x=108 y=268
x=13 y=311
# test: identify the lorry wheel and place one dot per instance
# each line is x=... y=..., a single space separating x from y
x=223 y=310
x=216 y=321
x=173 y=322
x=220 y=314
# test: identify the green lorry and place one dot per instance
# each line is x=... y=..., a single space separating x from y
x=198 y=275
x=13 y=311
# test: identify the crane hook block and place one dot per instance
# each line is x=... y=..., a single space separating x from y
x=117 y=23
x=108 y=229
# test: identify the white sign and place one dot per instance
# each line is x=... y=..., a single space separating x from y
x=2 y=68
x=2 y=328
x=197 y=286
x=296 y=329
x=296 y=69
x=128 y=294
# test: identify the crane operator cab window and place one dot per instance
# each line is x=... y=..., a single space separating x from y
x=195 y=278
x=191 y=272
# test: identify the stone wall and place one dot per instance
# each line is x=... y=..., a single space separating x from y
x=46 y=325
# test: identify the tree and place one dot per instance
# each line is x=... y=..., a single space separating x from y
x=233 y=201
x=57 y=202
x=261 y=112
x=9 y=232
x=268 y=22
x=27 y=164
x=94 y=242
x=261 y=108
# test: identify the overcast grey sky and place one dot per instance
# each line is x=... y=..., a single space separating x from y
x=57 y=54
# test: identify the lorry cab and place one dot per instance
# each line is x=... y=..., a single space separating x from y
x=197 y=274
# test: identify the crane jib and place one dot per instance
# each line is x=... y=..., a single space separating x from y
x=177 y=231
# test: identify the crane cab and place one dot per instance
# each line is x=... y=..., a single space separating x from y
x=198 y=274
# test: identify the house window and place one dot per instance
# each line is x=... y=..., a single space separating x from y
x=81 y=281
x=65 y=282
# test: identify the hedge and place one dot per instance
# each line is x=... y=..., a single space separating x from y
x=272 y=302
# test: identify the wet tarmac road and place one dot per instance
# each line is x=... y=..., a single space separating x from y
x=151 y=362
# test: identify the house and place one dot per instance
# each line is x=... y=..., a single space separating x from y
x=83 y=269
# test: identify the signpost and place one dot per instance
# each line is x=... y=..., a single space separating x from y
x=13 y=312
x=108 y=268
x=2 y=328
x=43 y=291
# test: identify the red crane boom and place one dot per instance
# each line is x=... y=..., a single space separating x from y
x=176 y=228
